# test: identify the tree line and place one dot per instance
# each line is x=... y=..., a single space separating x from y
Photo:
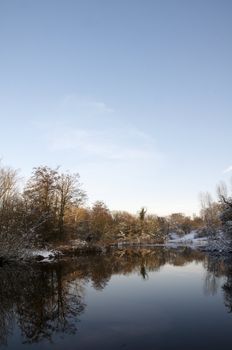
x=51 y=207
x=217 y=213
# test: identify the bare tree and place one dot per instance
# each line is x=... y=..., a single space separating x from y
x=226 y=208
x=69 y=194
x=210 y=213
x=10 y=213
x=40 y=195
x=49 y=196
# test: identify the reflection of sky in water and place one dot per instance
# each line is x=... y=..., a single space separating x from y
x=171 y=302
x=172 y=307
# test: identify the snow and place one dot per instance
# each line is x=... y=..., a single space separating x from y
x=43 y=253
x=46 y=255
x=189 y=239
x=220 y=243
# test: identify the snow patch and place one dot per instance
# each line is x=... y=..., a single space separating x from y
x=189 y=239
x=44 y=254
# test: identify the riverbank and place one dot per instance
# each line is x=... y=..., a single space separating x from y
x=217 y=246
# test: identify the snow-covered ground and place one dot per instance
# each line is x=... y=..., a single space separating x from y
x=190 y=240
x=45 y=255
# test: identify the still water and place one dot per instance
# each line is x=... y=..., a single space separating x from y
x=128 y=299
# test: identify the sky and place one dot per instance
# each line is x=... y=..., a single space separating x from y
x=134 y=95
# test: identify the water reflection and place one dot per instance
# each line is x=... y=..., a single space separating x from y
x=227 y=289
x=39 y=299
x=46 y=301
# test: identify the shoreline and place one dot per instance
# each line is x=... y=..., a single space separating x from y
x=82 y=248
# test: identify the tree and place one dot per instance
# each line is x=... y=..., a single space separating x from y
x=124 y=225
x=8 y=196
x=69 y=195
x=142 y=213
x=40 y=195
x=101 y=220
x=180 y=223
x=79 y=222
x=48 y=196
x=226 y=208
x=15 y=233
x=210 y=213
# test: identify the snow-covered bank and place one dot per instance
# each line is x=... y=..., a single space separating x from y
x=191 y=240
x=218 y=244
x=74 y=247
x=43 y=254
x=215 y=245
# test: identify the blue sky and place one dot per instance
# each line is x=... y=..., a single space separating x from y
x=135 y=95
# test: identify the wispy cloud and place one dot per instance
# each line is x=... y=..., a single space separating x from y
x=94 y=130
x=228 y=170
x=82 y=103
x=111 y=144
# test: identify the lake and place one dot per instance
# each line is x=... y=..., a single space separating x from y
x=147 y=298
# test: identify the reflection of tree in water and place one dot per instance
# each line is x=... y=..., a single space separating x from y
x=43 y=300
x=100 y=268
x=227 y=289
x=210 y=283
x=6 y=324
x=51 y=307
x=213 y=271
x=100 y=274
x=143 y=272
x=6 y=310
x=46 y=301
x=218 y=267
